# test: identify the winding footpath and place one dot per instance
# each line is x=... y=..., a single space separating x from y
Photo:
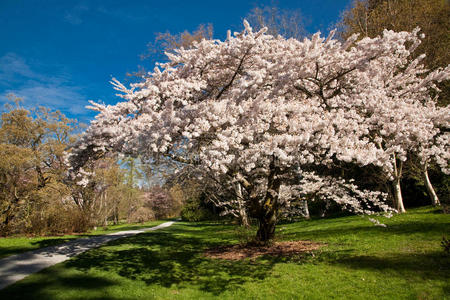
x=16 y=267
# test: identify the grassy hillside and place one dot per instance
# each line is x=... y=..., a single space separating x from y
x=361 y=261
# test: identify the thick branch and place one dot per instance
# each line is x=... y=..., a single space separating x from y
x=234 y=75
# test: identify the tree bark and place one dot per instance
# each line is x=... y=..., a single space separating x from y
x=116 y=215
x=266 y=230
x=306 y=209
x=431 y=193
x=269 y=210
x=243 y=218
x=398 y=199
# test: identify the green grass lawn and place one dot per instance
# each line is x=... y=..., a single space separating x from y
x=14 y=245
x=361 y=261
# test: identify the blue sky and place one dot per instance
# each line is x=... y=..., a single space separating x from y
x=62 y=53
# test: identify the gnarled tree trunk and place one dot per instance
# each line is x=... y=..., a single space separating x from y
x=269 y=211
x=267 y=223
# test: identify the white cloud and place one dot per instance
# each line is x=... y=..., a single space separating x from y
x=14 y=68
x=21 y=79
x=64 y=98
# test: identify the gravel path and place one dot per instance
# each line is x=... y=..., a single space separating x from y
x=16 y=267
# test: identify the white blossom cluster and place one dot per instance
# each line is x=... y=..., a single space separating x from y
x=346 y=194
x=259 y=106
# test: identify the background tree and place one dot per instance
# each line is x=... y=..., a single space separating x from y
x=190 y=193
x=168 y=42
x=112 y=195
x=287 y=23
x=32 y=167
x=36 y=197
x=369 y=18
x=160 y=201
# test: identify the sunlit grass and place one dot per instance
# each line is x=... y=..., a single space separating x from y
x=361 y=261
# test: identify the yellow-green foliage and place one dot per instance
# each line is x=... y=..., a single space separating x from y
x=31 y=165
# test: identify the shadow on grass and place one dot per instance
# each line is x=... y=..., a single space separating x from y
x=403 y=228
x=37 y=287
x=433 y=262
x=434 y=265
x=413 y=267
x=122 y=228
x=11 y=250
x=53 y=242
x=174 y=257
x=411 y=262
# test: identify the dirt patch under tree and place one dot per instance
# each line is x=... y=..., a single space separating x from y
x=237 y=252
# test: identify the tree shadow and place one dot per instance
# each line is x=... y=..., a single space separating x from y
x=71 y=246
x=434 y=265
x=37 y=287
x=175 y=257
x=410 y=263
x=403 y=228
x=53 y=242
x=137 y=226
x=12 y=250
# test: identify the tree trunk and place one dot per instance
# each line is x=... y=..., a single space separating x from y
x=243 y=218
x=116 y=215
x=398 y=199
x=306 y=209
x=269 y=210
x=431 y=193
x=266 y=230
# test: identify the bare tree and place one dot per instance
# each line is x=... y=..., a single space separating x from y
x=287 y=23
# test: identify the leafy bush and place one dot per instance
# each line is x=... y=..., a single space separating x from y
x=195 y=210
x=55 y=219
x=141 y=215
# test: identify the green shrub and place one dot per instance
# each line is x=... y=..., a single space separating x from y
x=195 y=210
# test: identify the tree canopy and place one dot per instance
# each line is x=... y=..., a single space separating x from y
x=259 y=109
